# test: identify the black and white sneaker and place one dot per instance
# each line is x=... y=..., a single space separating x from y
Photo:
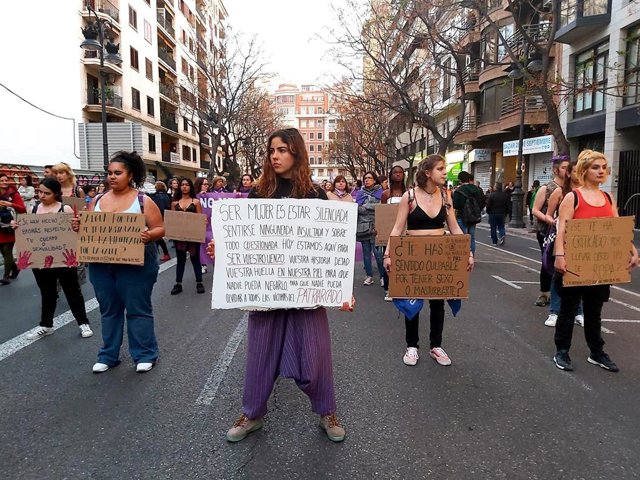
x=563 y=361
x=40 y=332
x=603 y=360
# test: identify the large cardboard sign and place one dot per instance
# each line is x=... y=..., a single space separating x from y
x=385 y=220
x=76 y=203
x=185 y=226
x=107 y=237
x=46 y=241
x=283 y=253
x=429 y=266
x=597 y=251
x=207 y=200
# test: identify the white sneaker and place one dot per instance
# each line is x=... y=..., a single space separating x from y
x=40 y=332
x=100 y=367
x=551 y=320
x=440 y=356
x=387 y=298
x=381 y=282
x=85 y=330
x=368 y=281
x=579 y=320
x=144 y=367
x=204 y=269
x=411 y=356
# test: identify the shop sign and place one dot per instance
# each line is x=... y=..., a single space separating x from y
x=529 y=146
x=480 y=155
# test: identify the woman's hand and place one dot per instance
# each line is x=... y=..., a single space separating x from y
x=211 y=250
x=560 y=265
x=14 y=224
x=146 y=237
x=75 y=221
x=386 y=262
x=633 y=261
x=4 y=203
x=470 y=263
x=346 y=307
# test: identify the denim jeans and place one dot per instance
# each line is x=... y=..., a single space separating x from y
x=554 y=304
x=496 y=222
x=369 y=246
x=471 y=230
x=126 y=287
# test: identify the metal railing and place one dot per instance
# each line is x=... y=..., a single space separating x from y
x=471 y=72
x=103 y=6
x=94 y=98
x=165 y=56
x=169 y=121
x=469 y=123
x=165 y=23
x=538 y=32
x=169 y=90
x=170 y=157
x=532 y=103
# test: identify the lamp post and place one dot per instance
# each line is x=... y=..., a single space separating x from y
x=94 y=40
x=517 y=196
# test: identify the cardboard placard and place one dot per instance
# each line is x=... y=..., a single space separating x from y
x=46 y=241
x=77 y=202
x=185 y=226
x=429 y=266
x=285 y=253
x=385 y=220
x=597 y=251
x=107 y=237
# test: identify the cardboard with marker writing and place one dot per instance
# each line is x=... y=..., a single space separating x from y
x=76 y=202
x=185 y=226
x=385 y=220
x=429 y=267
x=46 y=241
x=597 y=251
x=107 y=237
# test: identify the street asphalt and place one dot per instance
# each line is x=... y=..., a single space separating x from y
x=501 y=411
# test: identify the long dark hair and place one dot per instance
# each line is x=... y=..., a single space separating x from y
x=337 y=179
x=54 y=185
x=566 y=186
x=425 y=166
x=393 y=185
x=178 y=193
x=134 y=164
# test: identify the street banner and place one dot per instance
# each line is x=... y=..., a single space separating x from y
x=46 y=241
x=185 y=226
x=597 y=251
x=285 y=253
x=77 y=202
x=207 y=201
x=107 y=237
x=385 y=220
x=429 y=266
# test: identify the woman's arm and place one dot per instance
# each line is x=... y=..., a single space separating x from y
x=565 y=213
x=554 y=201
x=153 y=219
x=538 y=203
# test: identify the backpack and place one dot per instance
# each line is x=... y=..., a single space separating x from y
x=471 y=212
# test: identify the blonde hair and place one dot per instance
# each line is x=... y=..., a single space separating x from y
x=585 y=160
x=64 y=167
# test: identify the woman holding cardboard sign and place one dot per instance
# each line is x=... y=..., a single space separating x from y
x=291 y=343
x=121 y=288
x=424 y=211
x=586 y=201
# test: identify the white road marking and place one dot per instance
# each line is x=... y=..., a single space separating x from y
x=606 y=330
x=511 y=284
x=534 y=249
x=616 y=320
x=210 y=389
x=629 y=292
x=16 y=344
x=506 y=251
x=525 y=282
x=632 y=307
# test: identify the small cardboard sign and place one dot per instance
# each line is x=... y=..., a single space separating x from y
x=429 y=266
x=597 y=251
x=385 y=220
x=46 y=241
x=107 y=237
x=77 y=202
x=185 y=226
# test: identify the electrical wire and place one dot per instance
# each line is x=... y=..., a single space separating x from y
x=48 y=113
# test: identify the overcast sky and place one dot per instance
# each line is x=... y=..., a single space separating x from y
x=289 y=32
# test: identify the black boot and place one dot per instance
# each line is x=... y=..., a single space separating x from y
x=177 y=288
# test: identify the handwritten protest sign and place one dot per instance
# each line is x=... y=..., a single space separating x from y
x=429 y=267
x=597 y=251
x=283 y=253
x=185 y=226
x=385 y=219
x=207 y=200
x=76 y=202
x=107 y=237
x=46 y=241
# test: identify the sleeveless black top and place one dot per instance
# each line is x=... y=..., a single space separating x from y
x=191 y=208
x=419 y=220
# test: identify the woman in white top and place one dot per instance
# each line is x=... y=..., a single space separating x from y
x=27 y=192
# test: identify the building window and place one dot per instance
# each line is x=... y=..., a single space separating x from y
x=151 y=111
x=149 y=68
x=319 y=123
x=312 y=160
x=185 y=124
x=135 y=99
x=320 y=110
x=319 y=137
x=590 y=80
x=632 y=67
x=147 y=32
x=332 y=135
x=152 y=143
x=570 y=10
x=133 y=18
x=319 y=148
x=194 y=155
x=185 y=67
x=319 y=160
x=312 y=148
x=133 y=53
x=311 y=136
x=186 y=153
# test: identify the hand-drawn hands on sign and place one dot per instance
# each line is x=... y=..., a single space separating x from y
x=24 y=260
x=48 y=261
x=70 y=259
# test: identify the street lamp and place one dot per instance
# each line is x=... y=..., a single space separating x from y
x=518 y=71
x=94 y=40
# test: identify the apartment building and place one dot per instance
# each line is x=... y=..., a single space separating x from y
x=601 y=60
x=309 y=109
x=153 y=96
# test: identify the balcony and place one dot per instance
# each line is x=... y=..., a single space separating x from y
x=205 y=164
x=468 y=131
x=535 y=111
x=91 y=60
x=103 y=8
x=169 y=122
x=580 y=18
x=170 y=157
x=538 y=32
x=169 y=91
x=113 y=100
x=469 y=31
x=165 y=22
x=167 y=58
x=470 y=77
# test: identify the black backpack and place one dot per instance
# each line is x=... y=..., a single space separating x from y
x=471 y=212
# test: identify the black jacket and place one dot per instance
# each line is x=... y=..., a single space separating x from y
x=498 y=203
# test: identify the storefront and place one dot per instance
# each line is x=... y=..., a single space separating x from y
x=480 y=165
x=536 y=161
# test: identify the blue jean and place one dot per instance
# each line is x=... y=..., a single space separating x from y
x=554 y=304
x=496 y=222
x=126 y=287
x=367 y=247
x=471 y=230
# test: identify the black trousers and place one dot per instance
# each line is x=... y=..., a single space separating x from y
x=545 y=278
x=593 y=297
x=436 y=317
x=181 y=255
x=163 y=245
x=47 y=279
